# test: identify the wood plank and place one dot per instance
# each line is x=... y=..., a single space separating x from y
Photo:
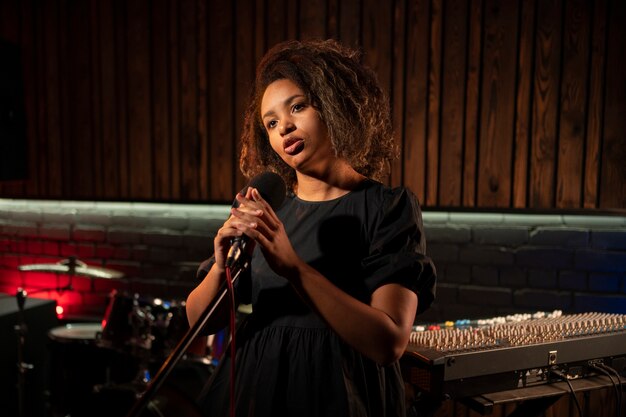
x=293 y=20
x=260 y=30
x=205 y=19
x=189 y=146
x=595 y=108
x=221 y=103
x=523 y=104
x=377 y=46
x=573 y=104
x=160 y=88
x=613 y=183
x=9 y=32
x=276 y=22
x=332 y=24
x=33 y=82
x=545 y=104
x=416 y=100
x=433 y=132
x=121 y=87
x=10 y=17
x=110 y=91
x=313 y=19
x=498 y=105
x=99 y=180
x=80 y=135
x=398 y=89
x=350 y=22
x=244 y=77
x=453 y=103
x=139 y=100
x=175 y=100
x=472 y=102
x=52 y=123
x=65 y=145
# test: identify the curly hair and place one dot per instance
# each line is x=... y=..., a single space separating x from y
x=345 y=93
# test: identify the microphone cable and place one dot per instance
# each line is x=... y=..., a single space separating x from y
x=229 y=283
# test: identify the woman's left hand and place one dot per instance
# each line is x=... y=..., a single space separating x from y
x=260 y=223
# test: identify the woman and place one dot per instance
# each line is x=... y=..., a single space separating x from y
x=338 y=272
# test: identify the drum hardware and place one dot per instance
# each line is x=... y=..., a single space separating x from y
x=21 y=330
x=144 y=399
x=142 y=325
x=71 y=267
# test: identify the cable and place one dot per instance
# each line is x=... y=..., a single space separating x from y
x=562 y=376
x=614 y=371
x=618 y=397
x=229 y=282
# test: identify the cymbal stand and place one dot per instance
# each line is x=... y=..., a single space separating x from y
x=21 y=329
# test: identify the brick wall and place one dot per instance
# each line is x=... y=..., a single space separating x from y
x=488 y=263
x=491 y=264
x=156 y=246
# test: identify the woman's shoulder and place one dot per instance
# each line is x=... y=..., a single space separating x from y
x=383 y=195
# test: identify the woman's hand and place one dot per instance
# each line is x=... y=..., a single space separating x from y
x=233 y=227
x=256 y=219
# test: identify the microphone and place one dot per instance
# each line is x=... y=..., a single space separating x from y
x=272 y=188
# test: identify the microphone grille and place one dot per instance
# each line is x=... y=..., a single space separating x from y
x=271 y=187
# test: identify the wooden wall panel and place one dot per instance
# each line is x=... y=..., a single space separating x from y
x=96 y=97
x=433 y=129
x=221 y=119
x=453 y=103
x=245 y=64
x=573 y=100
x=313 y=19
x=472 y=102
x=495 y=104
x=545 y=104
x=119 y=158
x=523 y=103
x=190 y=148
x=416 y=101
x=595 y=106
x=350 y=22
x=139 y=98
x=613 y=171
x=107 y=83
x=397 y=93
x=174 y=100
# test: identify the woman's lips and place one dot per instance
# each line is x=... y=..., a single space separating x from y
x=293 y=146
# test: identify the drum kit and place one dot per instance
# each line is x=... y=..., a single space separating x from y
x=98 y=369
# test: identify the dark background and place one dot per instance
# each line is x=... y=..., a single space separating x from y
x=496 y=104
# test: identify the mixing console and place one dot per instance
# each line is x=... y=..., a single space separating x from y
x=473 y=357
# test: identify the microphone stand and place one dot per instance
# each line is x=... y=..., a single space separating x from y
x=182 y=346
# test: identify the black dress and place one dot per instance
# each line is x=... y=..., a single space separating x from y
x=289 y=362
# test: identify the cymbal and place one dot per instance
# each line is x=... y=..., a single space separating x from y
x=79 y=268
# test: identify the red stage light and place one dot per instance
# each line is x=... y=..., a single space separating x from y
x=60 y=312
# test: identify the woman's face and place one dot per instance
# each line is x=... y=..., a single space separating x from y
x=296 y=131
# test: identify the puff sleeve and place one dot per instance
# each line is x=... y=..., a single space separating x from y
x=397 y=248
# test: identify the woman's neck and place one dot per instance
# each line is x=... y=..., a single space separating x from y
x=337 y=182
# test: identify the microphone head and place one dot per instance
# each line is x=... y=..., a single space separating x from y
x=271 y=187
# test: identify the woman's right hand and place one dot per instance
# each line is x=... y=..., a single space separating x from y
x=230 y=230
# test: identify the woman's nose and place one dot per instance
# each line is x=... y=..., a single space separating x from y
x=285 y=127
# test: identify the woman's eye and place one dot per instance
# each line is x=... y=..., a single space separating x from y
x=297 y=107
x=271 y=124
